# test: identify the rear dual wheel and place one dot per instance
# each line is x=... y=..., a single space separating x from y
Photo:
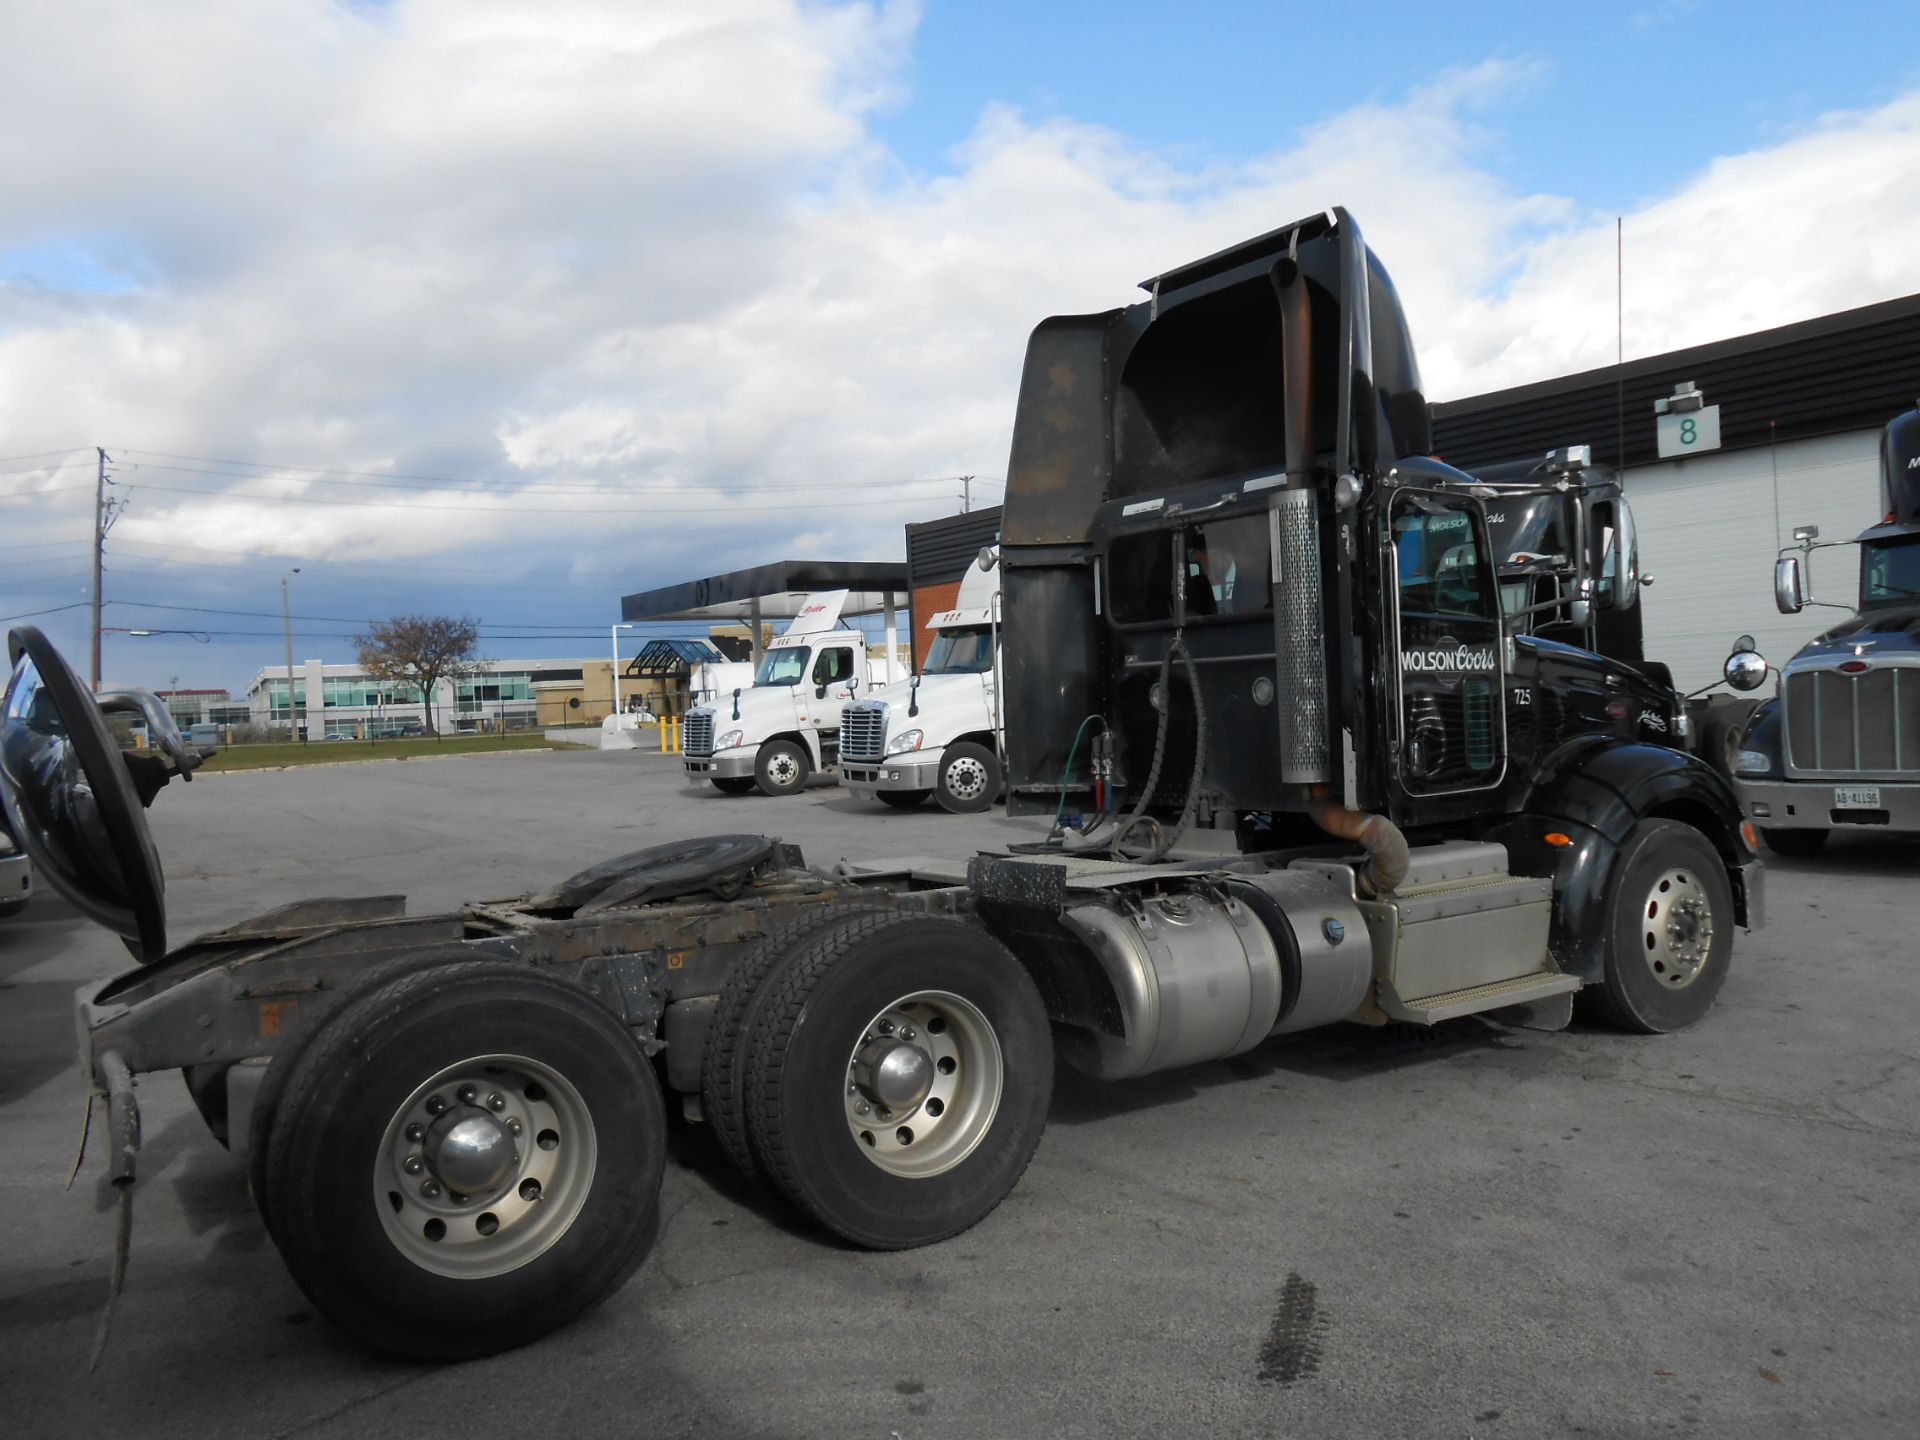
x=463 y=1159
x=897 y=1077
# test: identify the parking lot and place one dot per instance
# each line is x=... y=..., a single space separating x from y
x=1494 y=1232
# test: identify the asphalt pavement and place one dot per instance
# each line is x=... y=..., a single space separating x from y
x=1492 y=1233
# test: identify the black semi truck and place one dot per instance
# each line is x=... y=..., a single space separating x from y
x=1299 y=767
x=1838 y=748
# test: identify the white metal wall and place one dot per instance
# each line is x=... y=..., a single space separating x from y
x=1707 y=537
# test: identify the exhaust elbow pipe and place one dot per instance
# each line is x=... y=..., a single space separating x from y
x=1387 y=852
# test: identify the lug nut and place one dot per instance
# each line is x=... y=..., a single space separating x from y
x=906 y=1032
x=861 y=1108
x=513 y=1127
x=416 y=1132
x=430 y=1189
x=436 y=1105
x=413 y=1165
x=496 y=1101
x=885 y=1027
x=467 y=1092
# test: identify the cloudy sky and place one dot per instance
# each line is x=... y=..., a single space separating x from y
x=509 y=309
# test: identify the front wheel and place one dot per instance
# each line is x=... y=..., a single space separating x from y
x=732 y=784
x=465 y=1159
x=781 y=768
x=1670 y=930
x=899 y=1076
x=1795 y=844
x=969 y=779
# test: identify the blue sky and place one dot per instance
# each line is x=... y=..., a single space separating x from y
x=1624 y=100
x=662 y=290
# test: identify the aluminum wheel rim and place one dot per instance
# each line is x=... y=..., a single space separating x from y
x=1676 y=929
x=967 y=1076
x=782 y=770
x=463 y=1236
x=966 y=778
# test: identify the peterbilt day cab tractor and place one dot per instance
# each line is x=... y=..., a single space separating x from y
x=773 y=735
x=1331 y=791
x=1838 y=747
x=939 y=733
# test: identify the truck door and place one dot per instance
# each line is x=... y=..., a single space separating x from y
x=833 y=685
x=1448 y=710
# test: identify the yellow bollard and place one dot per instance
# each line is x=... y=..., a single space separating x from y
x=661 y=727
x=674 y=721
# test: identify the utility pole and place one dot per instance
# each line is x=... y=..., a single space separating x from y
x=966 y=493
x=286 y=620
x=99 y=544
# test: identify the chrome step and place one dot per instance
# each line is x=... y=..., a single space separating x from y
x=1521 y=989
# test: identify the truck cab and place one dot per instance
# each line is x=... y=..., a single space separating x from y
x=940 y=733
x=1838 y=747
x=775 y=733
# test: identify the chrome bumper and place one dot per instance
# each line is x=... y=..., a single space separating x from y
x=868 y=777
x=1808 y=805
x=726 y=765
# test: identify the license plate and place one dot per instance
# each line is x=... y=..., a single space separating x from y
x=1856 y=797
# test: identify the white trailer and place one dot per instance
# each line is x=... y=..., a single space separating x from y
x=939 y=733
x=775 y=733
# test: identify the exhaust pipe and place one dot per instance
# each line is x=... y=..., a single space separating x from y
x=1387 y=852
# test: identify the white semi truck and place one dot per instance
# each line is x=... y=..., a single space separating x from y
x=939 y=733
x=775 y=733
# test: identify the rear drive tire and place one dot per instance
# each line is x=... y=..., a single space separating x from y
x=465 y=1159
x=899 y=1076
x=1795 y=844
x=903 y=799
x=969 y=779
x=781 y=768
x=732 y=784
x=723 y=1060
x=1669 y=932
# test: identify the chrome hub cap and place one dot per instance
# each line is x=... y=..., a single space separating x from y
x=1677 y=928
x=783 y=770
x=966 y=778
x=483 y=1166
x=924 y=1080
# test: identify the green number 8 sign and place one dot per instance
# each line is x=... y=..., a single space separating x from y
x=1689 y=432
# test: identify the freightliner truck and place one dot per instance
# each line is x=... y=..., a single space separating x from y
x=774 y=734
x=939 y=733
x=1347 y=793
x=1838 y=748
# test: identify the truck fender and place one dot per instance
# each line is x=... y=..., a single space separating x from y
x=808 y=740
x=1591 y=794
x=1763 y=734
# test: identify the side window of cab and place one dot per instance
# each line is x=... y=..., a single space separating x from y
x=833 y=667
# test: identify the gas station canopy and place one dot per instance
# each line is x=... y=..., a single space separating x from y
x=774 y=592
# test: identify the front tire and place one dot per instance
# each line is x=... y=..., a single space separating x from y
x=969 y=779
x=781 y=768
x=732 y=784
x=465 y=1159
x=903 y=799
x=1795 y=844
x=1670 y=930
x=899 y=1077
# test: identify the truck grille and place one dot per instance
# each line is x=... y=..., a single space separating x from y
x=863 y=731
x=698 y=739
x=1865 y=724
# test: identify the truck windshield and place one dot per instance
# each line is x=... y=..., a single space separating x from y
x=964 y=650
x=783 y=667
x=1890 y=571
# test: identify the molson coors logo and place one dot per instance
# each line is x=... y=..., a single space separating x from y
x=1450 y=660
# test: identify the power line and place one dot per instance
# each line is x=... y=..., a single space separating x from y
x=560 y=512
x=51 y=610
x=37 y=454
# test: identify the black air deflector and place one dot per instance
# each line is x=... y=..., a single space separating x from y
x=719 y=865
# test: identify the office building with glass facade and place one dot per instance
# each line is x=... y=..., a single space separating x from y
x=500 y=695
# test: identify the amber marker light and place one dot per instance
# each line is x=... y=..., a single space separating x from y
x=1554 y=837
x=1750 y=835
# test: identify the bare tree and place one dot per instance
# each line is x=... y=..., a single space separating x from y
x=420 y=650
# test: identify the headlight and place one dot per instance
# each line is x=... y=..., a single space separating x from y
x=1752 y=762
x=905 y=740
x=729 y=740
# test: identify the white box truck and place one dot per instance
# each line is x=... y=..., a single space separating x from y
x=775 y=733
x=939 y=733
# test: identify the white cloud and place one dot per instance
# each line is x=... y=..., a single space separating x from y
x=659 y=246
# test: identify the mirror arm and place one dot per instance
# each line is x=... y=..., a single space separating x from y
x=181 y=758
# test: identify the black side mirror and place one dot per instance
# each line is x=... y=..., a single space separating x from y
x=819 y=692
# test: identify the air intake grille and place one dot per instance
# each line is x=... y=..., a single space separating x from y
x=1302 y=628
x=1865 y=724
x=699 y=737
x=863 y=731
